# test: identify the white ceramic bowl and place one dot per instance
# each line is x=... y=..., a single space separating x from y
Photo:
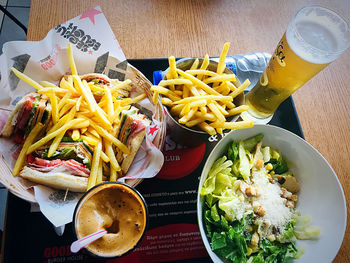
x=321 y=194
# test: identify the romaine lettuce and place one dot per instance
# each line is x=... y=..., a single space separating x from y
x=244 y=167
x=220 y=165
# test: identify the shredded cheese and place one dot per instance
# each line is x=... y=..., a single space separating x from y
x=269 y=197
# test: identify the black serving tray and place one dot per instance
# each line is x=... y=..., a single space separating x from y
x=30 y=237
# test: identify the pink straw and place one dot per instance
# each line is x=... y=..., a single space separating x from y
x=83 y=242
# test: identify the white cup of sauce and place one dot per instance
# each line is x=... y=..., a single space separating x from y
x=116 y=207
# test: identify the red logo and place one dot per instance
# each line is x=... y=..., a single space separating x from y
x=179 y=161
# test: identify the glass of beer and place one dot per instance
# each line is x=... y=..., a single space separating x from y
x=315 y=37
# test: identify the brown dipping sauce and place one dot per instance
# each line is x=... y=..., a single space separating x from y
x=116 y=208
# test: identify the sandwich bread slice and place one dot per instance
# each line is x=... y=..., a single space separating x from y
x=68 y=168
x=31 y=109
x=131 y=132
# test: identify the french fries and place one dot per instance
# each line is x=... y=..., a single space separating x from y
x=94 y=165
x=201 y=98
x=87 y=112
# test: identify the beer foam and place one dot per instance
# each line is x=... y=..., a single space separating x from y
x=317 y=35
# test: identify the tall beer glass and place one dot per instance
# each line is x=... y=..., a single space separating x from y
x=315 y=37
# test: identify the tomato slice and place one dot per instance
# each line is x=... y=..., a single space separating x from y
x=30 y=158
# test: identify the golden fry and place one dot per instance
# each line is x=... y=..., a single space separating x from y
x=186 y=91
x=47 y=84
x=178 y=92
x=194 y=122
x=205 y=127
x=86 y=92
x=121 y=85
x=175 y=110
x=56 y=142
x=113 y=174
x=238 y=110
x=138 y=98
x=27 y=79
x=53 y=134
x=93 y=87
x=221 y=109
x=71 y=60
x=57 y=91
x=110 y=153
x=65 y=108
x=198 y=103
x=63 y=100
x=216 y=112
x=220 y=78
x=207 y=97
x=221 y=64
x=185 y=110
x=198 y=83
x=155 y=97
x=79 y=103
x=94 y=165
x=91 y=140
x=240 y=89
x=202 y=72
x=99 y=173
x=167 y=102
x=29 y=141
x=195 y=64
x=172 y=67
x=76 y=134
x=206 y=116
x=165 y=91
x=93 y=132
x=188 y=116
x=63 y=120
x=104 y=157
x=111 y=138
x=204 y=66
x=168 y=82
x=68 y=86
x=54 y=106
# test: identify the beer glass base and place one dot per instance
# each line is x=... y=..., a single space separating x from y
x=247 y=115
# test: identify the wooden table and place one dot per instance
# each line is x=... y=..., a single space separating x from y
x=154 y=29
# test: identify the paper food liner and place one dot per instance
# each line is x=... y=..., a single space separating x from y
x=96 y=50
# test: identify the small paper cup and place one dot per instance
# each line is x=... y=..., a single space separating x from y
x=98 y=189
